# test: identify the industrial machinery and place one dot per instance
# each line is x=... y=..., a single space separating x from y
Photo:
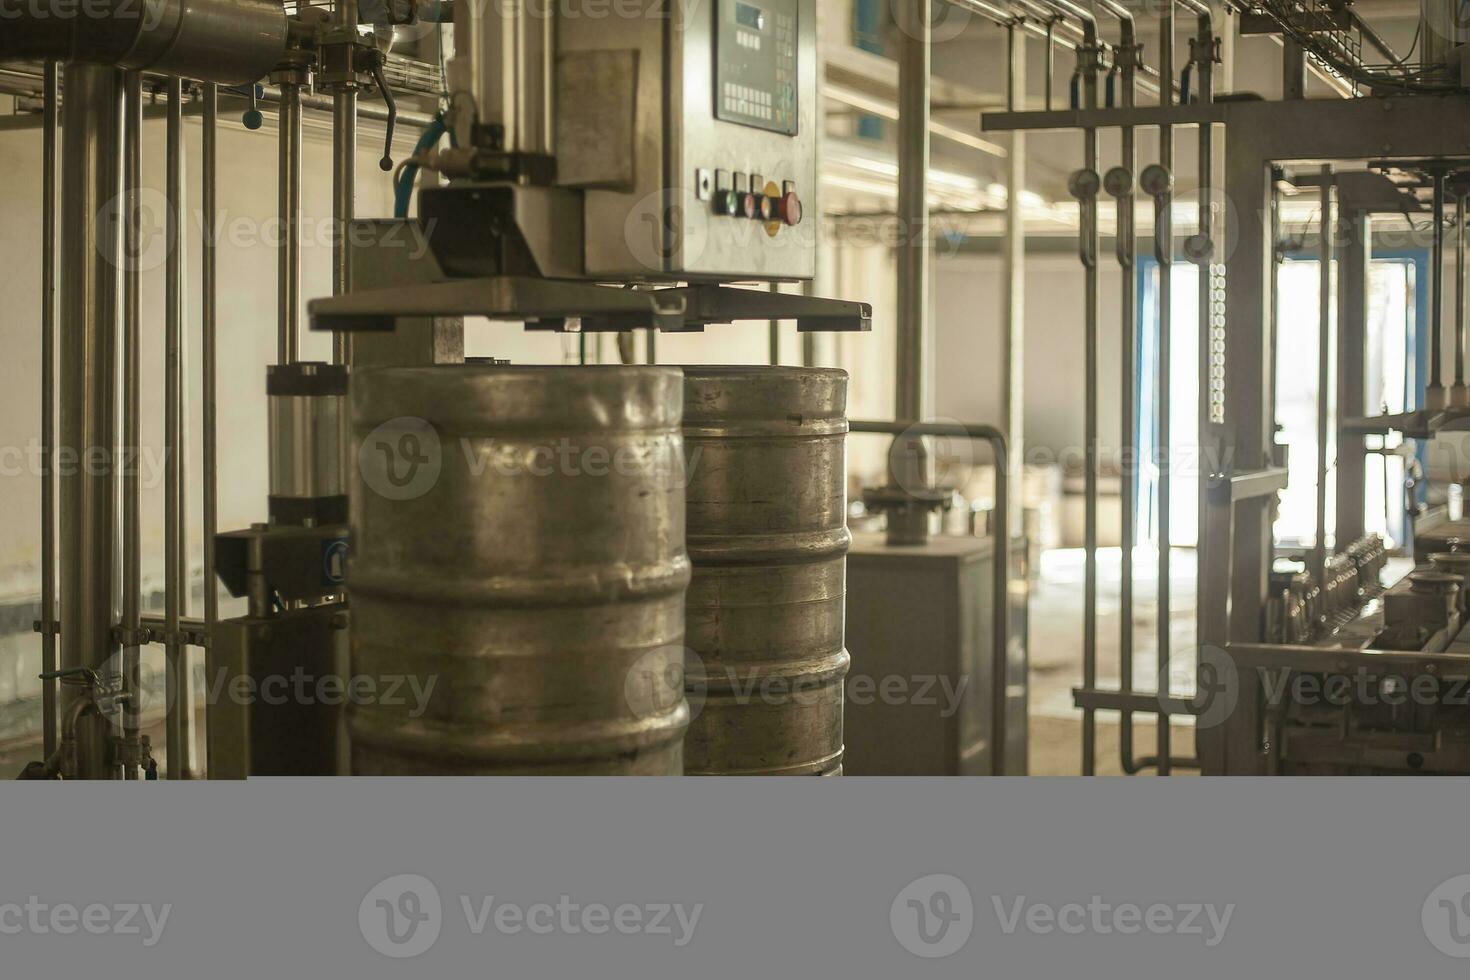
x=597 y=175
x=1306 y=663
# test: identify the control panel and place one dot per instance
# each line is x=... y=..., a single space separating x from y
x=751 y=196
x=697 y=135
x=756 y=61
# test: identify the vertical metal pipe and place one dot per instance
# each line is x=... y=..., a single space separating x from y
x=1051 y=60
x=1089 y=439
x=1166 y=267
x=1461 y=199
x=179 y=702
x=50 y=124
x=288 y=339
x=1324 y=361
x=1435 y=397
x=1008 y=503
x=344 y=202
x=1352 y=327
x=132 y=388
x=913 y=206
x=91 y=178
x=1209 y=318
x=209 y=286
x=1013 y=295
x=1127 y=406
x=773 y=334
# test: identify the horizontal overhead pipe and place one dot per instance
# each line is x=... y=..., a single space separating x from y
x=226 y=41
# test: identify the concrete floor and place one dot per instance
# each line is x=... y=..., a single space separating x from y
x=1056 y=654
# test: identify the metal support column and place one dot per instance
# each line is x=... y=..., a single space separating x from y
x=209 y=285
x=91 y=178
x=1352 y=321
x=913 y=207
x=132 y=426
x=344 y=177
x=180 y=695
x=1324 y=367
x=1201 y=250
x=1013 y=289
x=1460 y=396
x=288 y=339
x=1164 y=235
x=1119 y=183
x=1435 y=397
x=51 y=128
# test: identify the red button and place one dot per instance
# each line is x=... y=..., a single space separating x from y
x=748 y=205
x=791 y=208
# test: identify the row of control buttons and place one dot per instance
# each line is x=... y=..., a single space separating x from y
x=760 y=207
x=740 y=196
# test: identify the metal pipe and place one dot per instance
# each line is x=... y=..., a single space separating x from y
x=227 y=41
x=1461 y=200
x=344 y=202
x=1165 y=236
x=1435 y=396
x=273 y=95
x=1120 y=184
x=288 y=338
x=1013 y=381
x=913 y=205
x=50 y=132
x=1202 y=250
x=773 y=334
x=1051 y=59
x=179 y=702
x=1085 y=187
x=344 y=181
x=91 y=177
x=132 y=425
x=1324 y=352
x=209 y=286
x=269 y=96
x=1000 y=535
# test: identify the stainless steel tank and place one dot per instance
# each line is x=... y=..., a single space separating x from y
x=767 y=511
x=518 y=544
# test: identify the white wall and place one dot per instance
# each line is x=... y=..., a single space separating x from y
x=970 y=334
x=247 y=319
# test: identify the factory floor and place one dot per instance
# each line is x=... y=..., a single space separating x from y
x=1056 y=654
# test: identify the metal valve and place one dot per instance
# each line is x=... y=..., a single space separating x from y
x=1158 y=182
x=1084 y=185
x=252 y=118
x=387 y=162
x=1118 y=182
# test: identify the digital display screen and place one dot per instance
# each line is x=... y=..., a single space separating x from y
x=750 y=16
x=756 y=64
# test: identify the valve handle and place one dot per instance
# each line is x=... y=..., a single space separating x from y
x=387 y=162
x=252 y=118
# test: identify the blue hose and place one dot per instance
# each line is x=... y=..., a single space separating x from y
x=403 y=190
